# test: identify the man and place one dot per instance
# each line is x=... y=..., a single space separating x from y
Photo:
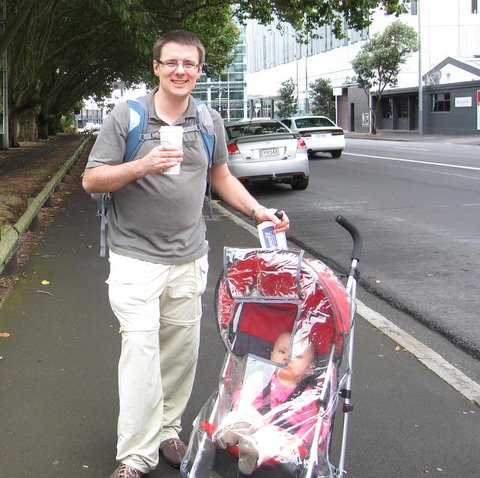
x=158 y=253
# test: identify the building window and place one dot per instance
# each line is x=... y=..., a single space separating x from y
x=440 y=102
x=413 y=7
x=474 y=6
x=387 y=108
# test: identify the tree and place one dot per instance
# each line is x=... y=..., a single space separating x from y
x=309 y=15
x=71 y=50
x=61 y=51
x=378 y=63
x=287 y=100
x=322 y=99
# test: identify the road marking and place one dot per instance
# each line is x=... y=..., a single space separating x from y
x=445 y=165
x=412 y=149
x=431 y=359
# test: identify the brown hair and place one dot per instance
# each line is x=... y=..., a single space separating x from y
x=183 y=37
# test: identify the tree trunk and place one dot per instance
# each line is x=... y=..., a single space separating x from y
x=54 y=126
x=374 y=116
x=42 y=125
x=373 y=128
x=12 y=130
x=27 y=126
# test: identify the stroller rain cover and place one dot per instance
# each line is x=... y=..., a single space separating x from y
x=255 y=424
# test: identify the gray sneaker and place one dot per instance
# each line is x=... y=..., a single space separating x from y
x=173 y=450
x=229 y=435
x=126 y=471
x=247 y=455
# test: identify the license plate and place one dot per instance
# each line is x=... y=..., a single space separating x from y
x=320 y=135
x=268 y=153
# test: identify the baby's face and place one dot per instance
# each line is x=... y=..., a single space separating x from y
x=280 y=348
x=301 y=361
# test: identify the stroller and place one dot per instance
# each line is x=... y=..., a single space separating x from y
x=257 y=423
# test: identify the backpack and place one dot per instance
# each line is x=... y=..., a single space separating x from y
x=137 y=126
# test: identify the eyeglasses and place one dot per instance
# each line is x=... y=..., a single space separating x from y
x=174 y=64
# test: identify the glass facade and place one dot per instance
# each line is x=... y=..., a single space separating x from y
x=274 y=45
x=268 y=46
x=226 y=93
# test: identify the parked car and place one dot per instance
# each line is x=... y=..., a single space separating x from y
x=320 y=133
x=92 y=127
x=266 y=150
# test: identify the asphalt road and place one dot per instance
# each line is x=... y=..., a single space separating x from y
x=58 y=397
x=416 y=205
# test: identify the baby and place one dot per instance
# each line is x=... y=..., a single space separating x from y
x=277 y=424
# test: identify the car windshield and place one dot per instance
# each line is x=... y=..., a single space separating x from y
x=255 y=129
x=313 y=122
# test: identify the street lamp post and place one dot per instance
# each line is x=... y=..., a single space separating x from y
x=296 y=68
x=220 y=93
x=5 y=137
x=420 y=79
x=307 y=107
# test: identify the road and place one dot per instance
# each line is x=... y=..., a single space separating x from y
x=417 y=207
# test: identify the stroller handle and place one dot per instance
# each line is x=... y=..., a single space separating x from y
x=357 y=238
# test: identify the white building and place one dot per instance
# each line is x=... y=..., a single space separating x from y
x=447 y=28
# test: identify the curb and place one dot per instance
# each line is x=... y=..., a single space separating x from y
x=10 y=235
x=473 y=140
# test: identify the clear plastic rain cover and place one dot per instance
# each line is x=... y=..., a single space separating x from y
x=285 y=321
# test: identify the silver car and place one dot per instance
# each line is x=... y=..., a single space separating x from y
x=320 y=133
x=266 y=150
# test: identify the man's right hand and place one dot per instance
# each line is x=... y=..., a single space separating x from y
x=161 y=157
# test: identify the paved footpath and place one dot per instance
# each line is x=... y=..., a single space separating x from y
x=59 y=347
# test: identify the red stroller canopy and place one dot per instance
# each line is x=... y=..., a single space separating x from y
x=263 y=293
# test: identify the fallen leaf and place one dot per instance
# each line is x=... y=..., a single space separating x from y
x=4 y=335
x=45 y=282
x=377 y=281
x=398 y=348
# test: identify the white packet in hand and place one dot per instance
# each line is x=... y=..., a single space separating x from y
x=270 y=240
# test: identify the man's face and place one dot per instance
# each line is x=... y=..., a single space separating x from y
x=178 y=80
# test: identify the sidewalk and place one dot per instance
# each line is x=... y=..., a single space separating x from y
x=59 y=346
x=396 y=135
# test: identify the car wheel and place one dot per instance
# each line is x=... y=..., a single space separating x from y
x=336 y=154
x=299 y=183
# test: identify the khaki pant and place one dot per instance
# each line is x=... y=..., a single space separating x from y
x=159 y=310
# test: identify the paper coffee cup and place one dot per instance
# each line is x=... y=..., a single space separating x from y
x=172 y=135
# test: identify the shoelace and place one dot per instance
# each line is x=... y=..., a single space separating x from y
x=132 y=473
x=174 y=443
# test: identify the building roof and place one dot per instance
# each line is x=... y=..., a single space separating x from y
x=470 y=65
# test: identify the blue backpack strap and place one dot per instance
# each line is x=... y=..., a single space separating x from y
x=204 y=120
x=137 y=124
x=207 y=129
